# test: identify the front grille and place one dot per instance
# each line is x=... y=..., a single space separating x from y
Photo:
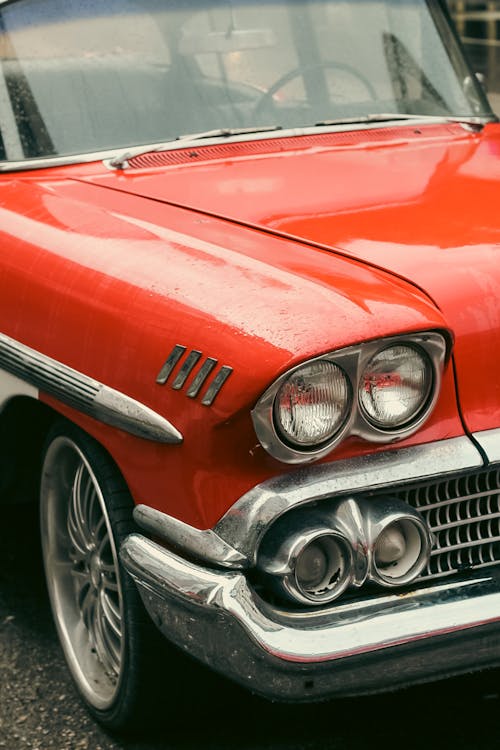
x=463 y=513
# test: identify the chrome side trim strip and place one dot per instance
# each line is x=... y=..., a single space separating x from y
x=204 y=545
x=489 y=440
x=240 y=530
x=84 y=393
x=273 y=650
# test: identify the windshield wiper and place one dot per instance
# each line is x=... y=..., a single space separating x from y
x=226 y=132
x=388 y=116
x=121 y=161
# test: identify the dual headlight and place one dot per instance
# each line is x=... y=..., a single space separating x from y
x=379 y=390
x=311 y=555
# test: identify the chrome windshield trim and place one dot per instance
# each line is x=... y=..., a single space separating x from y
x=234 y=540
x=108 y=155
x=489 y=440
x=85 y=394
x=47 y=162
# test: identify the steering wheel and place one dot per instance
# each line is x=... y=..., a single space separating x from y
x=266 y=97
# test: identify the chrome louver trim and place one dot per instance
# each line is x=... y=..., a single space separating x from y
x=174 y=356
x=84 y=393
x=216 y=385
x=201 y=377
x=188 y=365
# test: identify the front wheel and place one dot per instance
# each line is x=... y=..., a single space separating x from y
x=86 y=511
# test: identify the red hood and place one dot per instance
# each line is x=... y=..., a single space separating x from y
x=419 y=202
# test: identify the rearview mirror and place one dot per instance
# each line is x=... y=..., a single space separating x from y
x=222 y=42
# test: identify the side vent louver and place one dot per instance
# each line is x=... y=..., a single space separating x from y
x=201 y=377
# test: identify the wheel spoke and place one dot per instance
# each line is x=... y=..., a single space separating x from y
x=87 y=607
x=99 y=528
x=88 y=504
x=112 y=614
x=76 y=515
x=108 y=651
x=108 y=568
x=110 y=585
x=81 y=577
x=102 y=546
x=77 y=542
x=77 y=555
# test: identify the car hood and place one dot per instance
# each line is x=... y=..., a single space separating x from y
x=420 y=202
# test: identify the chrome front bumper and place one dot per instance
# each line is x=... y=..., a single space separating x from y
x=379 y=642
x=361 y=647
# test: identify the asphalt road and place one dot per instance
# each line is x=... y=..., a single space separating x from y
x=40 y=710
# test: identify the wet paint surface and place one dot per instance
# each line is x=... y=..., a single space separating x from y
x=109 y=282
x=424 y=206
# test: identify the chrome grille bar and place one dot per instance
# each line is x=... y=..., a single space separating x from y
x=463 y=513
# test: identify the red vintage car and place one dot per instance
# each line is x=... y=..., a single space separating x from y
x=249 y=339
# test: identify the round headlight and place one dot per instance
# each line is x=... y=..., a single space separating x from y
x=312 y=404
x=395 y=386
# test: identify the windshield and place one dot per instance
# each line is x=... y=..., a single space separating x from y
x=87 y=77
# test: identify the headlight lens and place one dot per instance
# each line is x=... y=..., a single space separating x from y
x=312 y=404
x=395 y=386
x=401 y=552
x=322 y=570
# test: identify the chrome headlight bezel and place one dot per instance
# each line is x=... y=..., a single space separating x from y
x=353 y=361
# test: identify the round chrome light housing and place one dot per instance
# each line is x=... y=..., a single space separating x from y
x=311 y=566
x=395 y=387
x=400 y=552
x=312 y=404
x=323 y=569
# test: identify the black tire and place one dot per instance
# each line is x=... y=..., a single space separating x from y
x=112 y=659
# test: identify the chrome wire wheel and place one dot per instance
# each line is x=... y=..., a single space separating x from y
x=82 y=571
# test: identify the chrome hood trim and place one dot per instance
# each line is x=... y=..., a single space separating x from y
x=234 y=540
x=489 y=441
x=247 y=520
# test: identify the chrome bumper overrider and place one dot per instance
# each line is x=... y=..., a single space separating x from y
x=352 y=648
x=376 y=642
